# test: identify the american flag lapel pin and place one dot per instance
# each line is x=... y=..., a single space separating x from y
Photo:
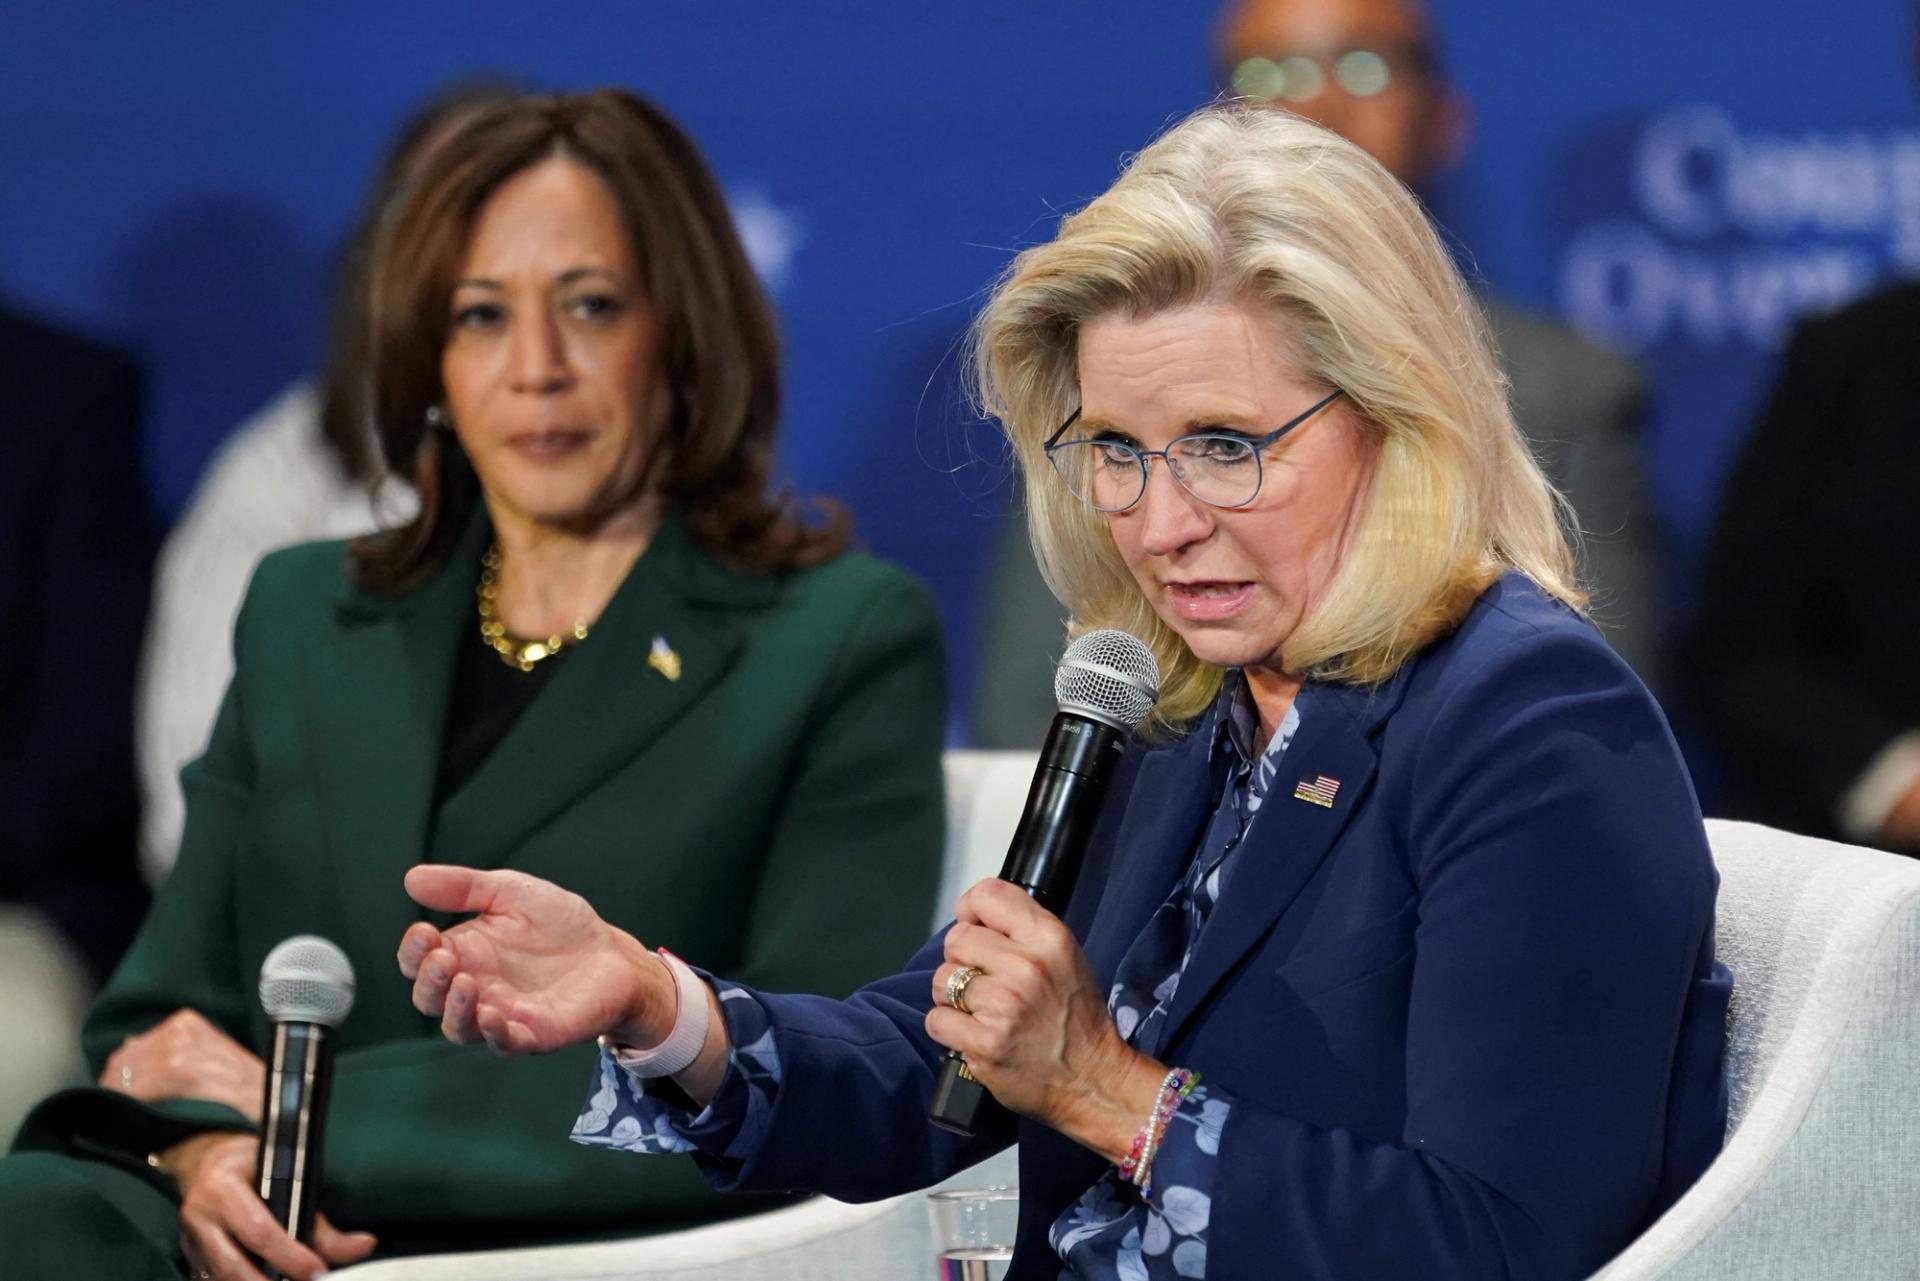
x=1318 y=789
x=663 y=659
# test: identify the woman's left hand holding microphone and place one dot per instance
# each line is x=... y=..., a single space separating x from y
x=1033 y=1024
x=537 y=969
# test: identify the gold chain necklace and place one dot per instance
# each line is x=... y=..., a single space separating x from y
x=514 y=651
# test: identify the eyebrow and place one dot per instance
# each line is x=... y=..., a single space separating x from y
x=573 y=275
x=1198 y=423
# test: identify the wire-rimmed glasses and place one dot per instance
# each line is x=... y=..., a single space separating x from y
x=1221 y=469
x=1301 y=77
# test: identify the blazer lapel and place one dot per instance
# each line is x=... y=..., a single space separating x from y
x=662 y=643
x=1171 y=799
x=381 y=687
x=1291 y=837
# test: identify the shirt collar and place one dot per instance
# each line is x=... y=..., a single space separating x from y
x=1233 y=723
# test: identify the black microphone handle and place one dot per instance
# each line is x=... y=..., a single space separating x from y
x=1043 y=859
x=299 y=1080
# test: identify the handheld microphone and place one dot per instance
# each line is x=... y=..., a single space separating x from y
x=1106 y=684
x=306 y=989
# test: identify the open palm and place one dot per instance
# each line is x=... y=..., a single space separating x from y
x=535 y=970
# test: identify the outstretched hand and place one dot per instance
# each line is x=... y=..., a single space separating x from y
x=535 y=970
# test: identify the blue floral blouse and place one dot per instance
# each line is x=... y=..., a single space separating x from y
x=1111 y=1233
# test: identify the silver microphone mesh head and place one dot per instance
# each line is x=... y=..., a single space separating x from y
x=306 y=979
x=1110 y=676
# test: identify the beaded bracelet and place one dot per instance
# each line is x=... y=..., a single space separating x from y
x=1136 y=1169
x=1132 y=1163
x=1150 y=1133
x=1141 y=1178
x=1175 y=1088
x=1130 y=1167
x=1179 y=1085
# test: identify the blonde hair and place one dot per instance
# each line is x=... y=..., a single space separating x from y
x=1246 y=204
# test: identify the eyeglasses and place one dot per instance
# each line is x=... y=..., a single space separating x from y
x=1301 y=77
x=1109 y=474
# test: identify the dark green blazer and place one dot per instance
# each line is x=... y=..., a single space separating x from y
x=774 y=813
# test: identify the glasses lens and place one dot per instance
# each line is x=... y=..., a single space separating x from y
x=1221 y=470
x=1362 y=72
x=1295 y=79
x=1258 y=78
x=1301 y=79
x=1102 y=473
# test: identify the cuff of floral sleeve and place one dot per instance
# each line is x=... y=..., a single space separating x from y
x=724 y=1130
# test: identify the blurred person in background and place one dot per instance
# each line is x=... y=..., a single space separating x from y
x=604 y=649
x=1370 y=70
x=306 y=466
x=1802 y=660
x=76 y=545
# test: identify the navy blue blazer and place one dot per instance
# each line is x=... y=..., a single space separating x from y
x=1469 y=1016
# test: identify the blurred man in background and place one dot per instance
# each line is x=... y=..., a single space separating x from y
x=76 y=545
x=1802 y=657
x=1369 y=69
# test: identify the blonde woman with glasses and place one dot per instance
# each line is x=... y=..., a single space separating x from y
x=1393 y=951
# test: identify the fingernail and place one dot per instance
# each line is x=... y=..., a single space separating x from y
x=438 y=973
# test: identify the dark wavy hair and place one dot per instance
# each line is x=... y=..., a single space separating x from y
x=345 y=415
x=718 y=340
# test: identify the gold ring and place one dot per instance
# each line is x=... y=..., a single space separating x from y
x=957 y=986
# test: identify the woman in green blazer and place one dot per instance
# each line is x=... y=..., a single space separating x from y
x=602 y=654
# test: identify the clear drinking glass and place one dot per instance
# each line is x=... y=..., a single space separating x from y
x=973 y=1231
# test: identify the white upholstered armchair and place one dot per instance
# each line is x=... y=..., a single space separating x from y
x=1821 y=1173
x=1820 y=1177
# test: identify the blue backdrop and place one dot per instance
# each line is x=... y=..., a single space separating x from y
x=1679 y=180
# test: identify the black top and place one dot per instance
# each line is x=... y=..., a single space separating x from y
x=488 y=697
